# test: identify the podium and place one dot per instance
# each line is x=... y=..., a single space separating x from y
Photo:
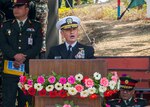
x=67 y=67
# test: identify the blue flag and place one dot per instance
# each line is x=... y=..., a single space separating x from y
x=135 y=3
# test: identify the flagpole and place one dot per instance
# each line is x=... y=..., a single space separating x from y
x=118 y=12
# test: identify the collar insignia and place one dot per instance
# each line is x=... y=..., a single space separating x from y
x=9 y=32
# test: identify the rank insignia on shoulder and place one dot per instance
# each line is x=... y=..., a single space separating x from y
x=6 y=21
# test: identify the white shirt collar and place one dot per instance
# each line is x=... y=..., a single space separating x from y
x=67 y=45
x=21 y=21
x=128 y=100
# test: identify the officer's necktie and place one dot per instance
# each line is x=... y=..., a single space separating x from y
x=21 y=25
x=127 y=102
x=69 y=52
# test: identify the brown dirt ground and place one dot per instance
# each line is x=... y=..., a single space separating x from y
x=118 y=37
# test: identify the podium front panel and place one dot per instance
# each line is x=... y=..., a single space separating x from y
x=67 y=67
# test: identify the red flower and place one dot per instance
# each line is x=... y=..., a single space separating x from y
x=62 y=93
x=53 y=94
x=86 y=77
x=32 y=91
x=107 y=93
x=42 y=92
x=24 y=91
x=93 y=96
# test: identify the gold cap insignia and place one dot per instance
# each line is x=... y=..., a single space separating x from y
x=69 y=20
x=126 y=81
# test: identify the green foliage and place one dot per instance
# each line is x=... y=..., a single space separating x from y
x=64 y=12
x=109 y=13
x=90 y=11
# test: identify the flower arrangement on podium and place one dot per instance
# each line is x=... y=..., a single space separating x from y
x=56 y=85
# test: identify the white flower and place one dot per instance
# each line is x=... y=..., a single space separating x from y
x=112 y=84
x=49 y=88
x=38 y=86
x=97 y=76
x=102 y=89
x=20 y=85
x=27 y=86
x=79 y=77
x=72 y=91
x=118 y=85
x=58 y=86
x=84 y=93
x=67 y=85
x=92 y=90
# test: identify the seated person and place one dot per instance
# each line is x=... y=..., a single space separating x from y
x=127 y=91
x=71 y=49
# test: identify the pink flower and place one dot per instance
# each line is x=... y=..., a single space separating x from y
x=89 y=82
x=40 y=79
x=62 y=80
x=115 y=74
x=30 y=82
x=114 y=78
x=51 y=79
x=107 y=105
x=79 y=87
x=104 y=81
x=23 y=79
x=71 y=79
x=66 y=105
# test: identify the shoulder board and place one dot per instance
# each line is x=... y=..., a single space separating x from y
x=7 y=21
x=115 y=100
x=140 y=99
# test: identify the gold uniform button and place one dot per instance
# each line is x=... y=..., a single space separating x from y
x=20 y=34
x=19 y=47
x=19 y=40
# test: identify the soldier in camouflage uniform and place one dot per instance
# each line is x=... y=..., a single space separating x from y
x=42 y=15
x=127 y=98
x=20 y=40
